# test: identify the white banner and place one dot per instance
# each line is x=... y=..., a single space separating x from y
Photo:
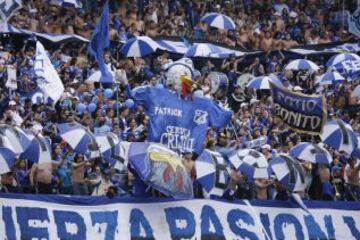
x=56 y=217
x=8 y=8
x=49 y=81
x=11 y=77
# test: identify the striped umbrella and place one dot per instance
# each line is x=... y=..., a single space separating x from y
x=263 y=82
x=342 y=57
x=212 y=173
x=7 y=159
x=329 y=78
x=80 y=139
x=289 y=172
x=302 y=64
x=39 y=150
x=218 y=20
x=160 y=168
x=339 y=135
x=251 y=162
x=139 y=47
x=14 y=138
x=311 y=152
x=202 y=50
x=112 y=150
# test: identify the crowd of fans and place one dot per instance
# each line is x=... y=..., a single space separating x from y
x=260 y=25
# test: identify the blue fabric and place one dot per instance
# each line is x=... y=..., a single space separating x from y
x=99 y=41
x=179 y=124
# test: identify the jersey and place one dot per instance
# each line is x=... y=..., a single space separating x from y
x=179 y=124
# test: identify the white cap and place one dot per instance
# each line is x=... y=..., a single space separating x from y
x=293 y=14
x=266 y=146
x=297 y=89
x=12 y=103
x=253 y=100
x=243 y=105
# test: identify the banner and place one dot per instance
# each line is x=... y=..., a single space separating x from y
x=354 y=22
x=256 y=143
x=11 y=82
x=8 y=8
x=60 y=217
x=303 y=113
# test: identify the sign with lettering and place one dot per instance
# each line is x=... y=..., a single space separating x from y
x=303 y=113
x=61 y=217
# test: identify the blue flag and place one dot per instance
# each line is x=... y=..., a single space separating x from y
x=99 y=41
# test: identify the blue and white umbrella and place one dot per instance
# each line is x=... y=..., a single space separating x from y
x=263 y=82
x=139 y=47
x=330 y=78
x=7 y=159
x=302 y=64
x=289 y=172
x=218 y=20
x=160 y=168
x=67 y=3
x=14 y=138
x=80 y=138
x=251 y=162
x=202 y=50
x=212 y=173
x=112 y=150
x=334 y=60
x=311 y=152
x=339 y=135
x=39 y=150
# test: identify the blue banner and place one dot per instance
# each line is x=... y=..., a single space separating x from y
x=61 y=217
x=303 y=113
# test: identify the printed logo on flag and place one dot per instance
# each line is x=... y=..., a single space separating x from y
x=200 y=117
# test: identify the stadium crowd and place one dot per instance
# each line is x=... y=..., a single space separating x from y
x=260 y=25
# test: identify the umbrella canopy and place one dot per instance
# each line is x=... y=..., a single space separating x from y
x=302 y=64
x=218 y=20
x=67 y=3
x=7 y=159
x=112 y=150
x=263 y=82
x=39 y=150
x=311 y=152
x=251 y=162
x=330 y=78
x=202 y=50
x=339 y=135
x=289 y=172
x=342 y=57
x=79 y=138
x=139 y=47
x=212 y=173
x=160 y=168
x=14 y=138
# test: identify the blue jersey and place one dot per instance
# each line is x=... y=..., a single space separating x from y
x=177 y=123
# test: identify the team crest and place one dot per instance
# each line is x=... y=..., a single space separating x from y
x=200 y=117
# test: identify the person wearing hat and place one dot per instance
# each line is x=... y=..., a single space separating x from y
x=14 y=113
x=266 y=150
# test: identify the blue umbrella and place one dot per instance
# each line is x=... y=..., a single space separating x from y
x=112 y=150
x=311 y=152
x=7 y=159
x=79 y=138
x=160 y=168
x=302 y=64
x=39 y=150
x=289 y=172
x=139 y=47
x=251 y=162
x=339 y=135
x=218 y=20
x=14 y=138
x=263 y=82
x=330 y=78
x=67 y=3
x=212 y=173
x=334 y=60
x=202 y=50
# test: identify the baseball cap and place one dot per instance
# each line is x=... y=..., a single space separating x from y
x=266 y=146
x=12 y=103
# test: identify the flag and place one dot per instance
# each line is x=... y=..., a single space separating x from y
x=99 y=41
x=8 y=8
x=67 y=3
x=48 y=79
x=354 y=22
x=186 y=85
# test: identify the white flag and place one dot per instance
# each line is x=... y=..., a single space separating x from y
x=354 y=22
x=11 y=81
x=48 y=79
x=8 y=8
